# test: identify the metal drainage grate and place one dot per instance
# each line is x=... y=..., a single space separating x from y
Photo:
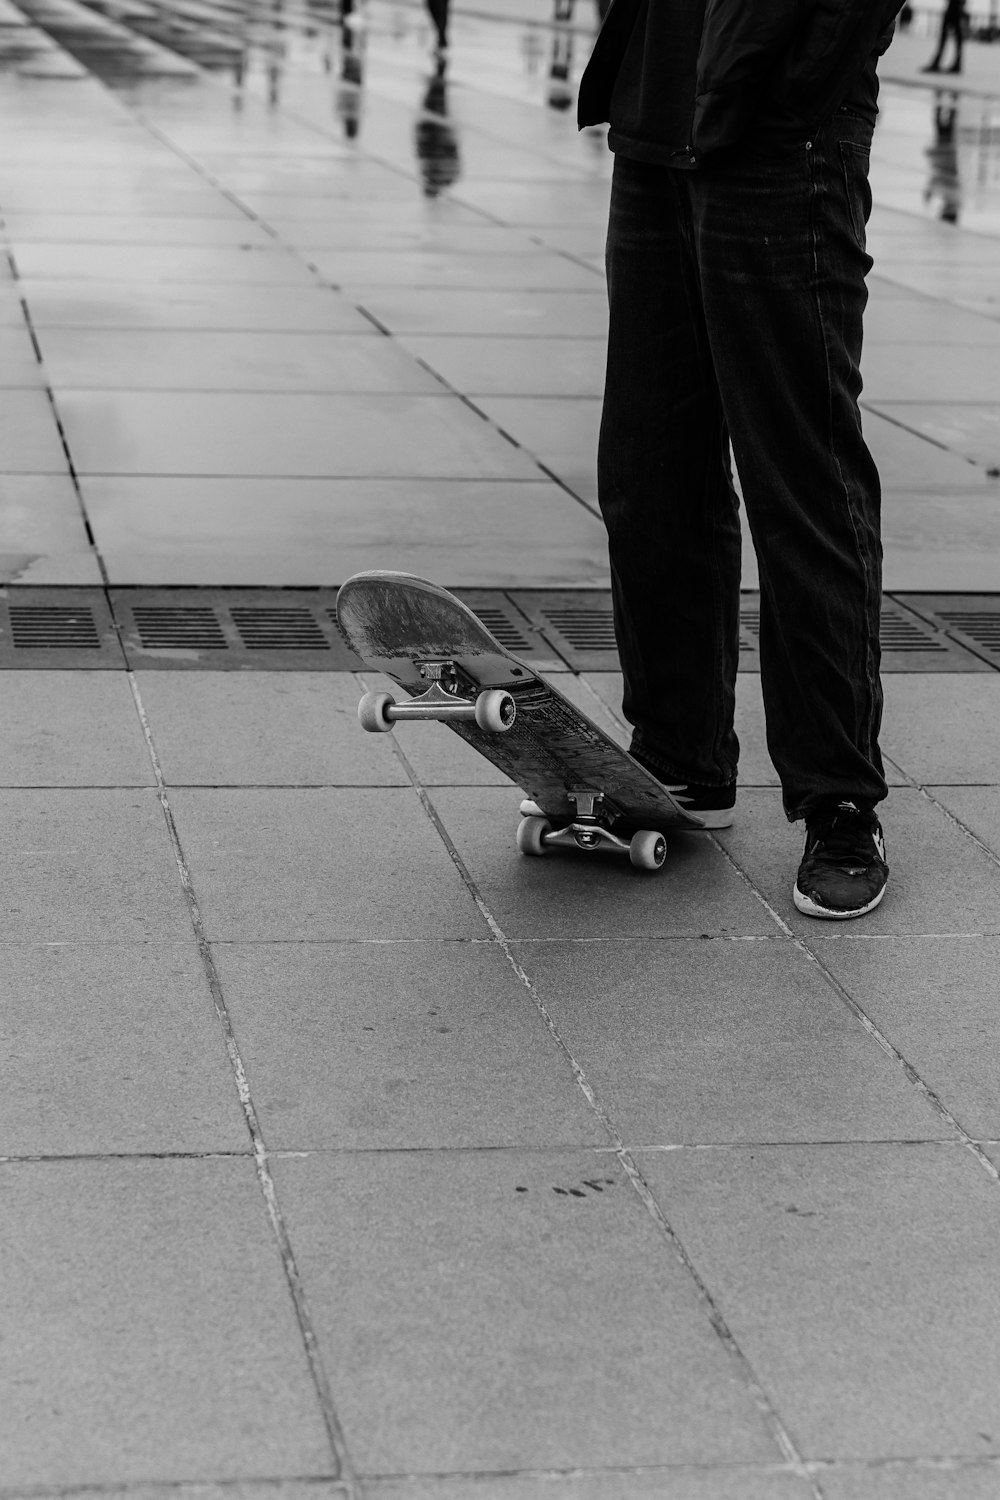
x=58 y=626
x=500 y=624
x=266 y=629
x=899 y=634
x=295 y=629
x=984 y=629
x=233 y=630
x=169 y=628
x=584 y=629
x=971 y=621
x=65 y=628
x=909 y=643
x=503 y=618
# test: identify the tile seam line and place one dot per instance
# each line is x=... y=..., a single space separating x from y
x=771 y=1420
x=321 y=1384
x=517 y=1149
x=911 y=1074
x=924 y=789
x=166 y=1487
x=50 y=395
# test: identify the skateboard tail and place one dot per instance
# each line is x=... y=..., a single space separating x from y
x=381 y=619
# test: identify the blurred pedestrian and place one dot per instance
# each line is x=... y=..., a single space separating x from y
x=438 y=12
x=953 y=25
x=736 y=278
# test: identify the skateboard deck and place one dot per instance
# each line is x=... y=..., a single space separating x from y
x=585 y=791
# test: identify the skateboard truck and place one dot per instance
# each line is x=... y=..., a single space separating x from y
x=452 y=694
x=588 y=831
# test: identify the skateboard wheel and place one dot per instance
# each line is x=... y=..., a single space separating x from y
x=531 y=835
x=373 y=712
x=495 y=711
x=647 y=850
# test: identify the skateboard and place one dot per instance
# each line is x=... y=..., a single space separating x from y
x=584 y=791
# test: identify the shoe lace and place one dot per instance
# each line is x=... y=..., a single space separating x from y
x=844 y=836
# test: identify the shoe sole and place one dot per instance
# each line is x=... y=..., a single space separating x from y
x=810 y=908
x=720 y=817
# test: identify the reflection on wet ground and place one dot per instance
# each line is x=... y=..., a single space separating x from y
x=937 y=151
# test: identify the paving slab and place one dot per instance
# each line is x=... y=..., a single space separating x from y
x=282 y=434
x=264 y=728
x=65 y=303
x=906 y=457
x=133 y=1351
x=599 y=1351
x=943 y=727
x=978 y=808
x=482 y=366
x=928 y=372
x=228 y=228
x=360 y=272
x=858 y=1281
x=935 y=999
x=947 y=540
x=561 y=896
x=523 y=314
x=712 y=1042
x=561 y=432
x=279 y=864
x=71 y=729
x=280 y=531
x=731 y=1482
x=250 y=263
x=159 y=359
x=114 y=1049
x=29 y=437
x=19 y=365
x=89 y=865
x=914 y=319
x=407 y=1046
x=970 y=430
x=946 y=1479
x=939 y=881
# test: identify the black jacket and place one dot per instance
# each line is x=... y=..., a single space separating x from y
x=783 y=64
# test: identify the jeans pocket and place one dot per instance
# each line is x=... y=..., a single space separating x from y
x=854 y=160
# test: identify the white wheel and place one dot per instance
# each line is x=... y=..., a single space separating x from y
x=647 y=850
x=372 y=712
x=495 y=711
x=531 y=835
x=531 y=810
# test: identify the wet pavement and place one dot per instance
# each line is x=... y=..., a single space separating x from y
x=346 y=1153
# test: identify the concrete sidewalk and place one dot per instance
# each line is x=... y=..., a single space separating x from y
x=345 y=1152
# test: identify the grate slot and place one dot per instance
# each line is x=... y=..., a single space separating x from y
x=584 y=629
x=173 y=627
x=499 y=623
x=288 y=629
x=983 y=628
x=899 y=634
x=53 y=626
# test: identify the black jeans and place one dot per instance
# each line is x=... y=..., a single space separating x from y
x=737 y=294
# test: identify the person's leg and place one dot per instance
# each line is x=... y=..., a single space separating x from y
x=934 y=66
x=780 y=243
x=955 y=17
x=665 y=489
x=438 y=10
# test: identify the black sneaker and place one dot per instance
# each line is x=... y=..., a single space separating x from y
x=713 y=804
x=843 y=871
